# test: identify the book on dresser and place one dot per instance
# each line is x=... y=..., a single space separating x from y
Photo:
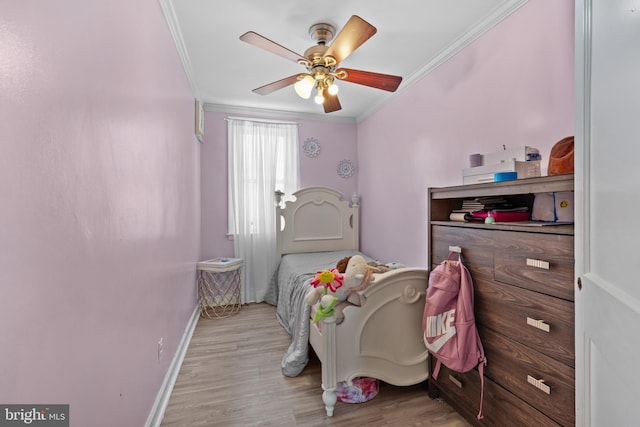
x=524 y=306
x=500 y=215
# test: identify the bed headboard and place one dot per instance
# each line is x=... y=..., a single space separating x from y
x=319 y=220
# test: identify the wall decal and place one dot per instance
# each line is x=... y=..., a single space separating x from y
x=346 y=169
x=311 y=147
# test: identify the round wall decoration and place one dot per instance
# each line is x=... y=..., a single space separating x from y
x=311 y=147
x=346 y=169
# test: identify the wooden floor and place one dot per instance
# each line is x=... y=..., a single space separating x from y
x=231 y=377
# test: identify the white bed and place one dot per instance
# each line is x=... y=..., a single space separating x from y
x=381 y=335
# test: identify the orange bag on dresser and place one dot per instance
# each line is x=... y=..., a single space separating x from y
x=561 y=157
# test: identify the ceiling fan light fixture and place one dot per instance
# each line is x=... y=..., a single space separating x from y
x=333 y=89
x=322 y=61
x=304 y=86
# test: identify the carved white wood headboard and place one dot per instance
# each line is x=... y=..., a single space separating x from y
x=319 y=220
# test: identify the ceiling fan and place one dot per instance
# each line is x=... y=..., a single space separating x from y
x=321 y=62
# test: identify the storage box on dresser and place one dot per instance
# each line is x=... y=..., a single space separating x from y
x=524 y=310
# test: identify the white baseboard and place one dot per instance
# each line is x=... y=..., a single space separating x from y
x=160 y=405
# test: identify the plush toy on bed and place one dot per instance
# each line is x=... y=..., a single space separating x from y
x=357 y=276
x=323 y=283
x=331 y=286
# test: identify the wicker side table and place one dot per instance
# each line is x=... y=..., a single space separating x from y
x=219 y=287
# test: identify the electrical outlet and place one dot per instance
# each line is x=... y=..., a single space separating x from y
x=160 y=348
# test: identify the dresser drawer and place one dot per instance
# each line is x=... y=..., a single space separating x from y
x=539 y=321
x=536 y=261
x=477 y=247
x=500 y=407
x=517 y=368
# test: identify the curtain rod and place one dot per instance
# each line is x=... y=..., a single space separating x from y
x=261 y=120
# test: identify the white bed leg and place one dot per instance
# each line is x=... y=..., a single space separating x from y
x=329 y=364
x=329 y=398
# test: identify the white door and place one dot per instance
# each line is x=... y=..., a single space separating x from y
x=607 y=206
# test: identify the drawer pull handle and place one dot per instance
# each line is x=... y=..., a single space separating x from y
x=456 y=249
x=538 y=324
x=456 y=381
x=539 y=384
x=538 y=263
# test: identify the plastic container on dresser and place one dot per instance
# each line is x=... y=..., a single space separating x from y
x=523 y=278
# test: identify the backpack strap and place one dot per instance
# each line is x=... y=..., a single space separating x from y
x=436 y=369
x=481 y=365
x=453 y=254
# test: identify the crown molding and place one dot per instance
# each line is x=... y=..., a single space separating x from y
x=176 y=33
x=276 y=114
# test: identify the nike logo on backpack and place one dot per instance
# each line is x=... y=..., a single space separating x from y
x=440 y=326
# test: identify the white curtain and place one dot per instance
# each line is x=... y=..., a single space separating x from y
x=263 y=158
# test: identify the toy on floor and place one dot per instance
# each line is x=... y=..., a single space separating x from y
x=361 y=390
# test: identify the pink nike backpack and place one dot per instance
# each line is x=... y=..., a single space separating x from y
x=448 y=322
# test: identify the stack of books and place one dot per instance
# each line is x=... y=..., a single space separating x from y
x=483 y=203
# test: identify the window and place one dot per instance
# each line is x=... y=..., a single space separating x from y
x=263 y=158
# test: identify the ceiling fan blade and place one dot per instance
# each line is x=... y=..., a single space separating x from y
x=272 y=87
x=270 y=46
x=331 y=103
x=355 y=32
x=367 y=78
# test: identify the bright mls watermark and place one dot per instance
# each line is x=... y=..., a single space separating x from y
x=34 y=415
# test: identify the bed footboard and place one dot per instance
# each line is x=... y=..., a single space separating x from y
x=381 y=339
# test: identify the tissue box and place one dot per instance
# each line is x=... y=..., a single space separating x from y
x=486 y=173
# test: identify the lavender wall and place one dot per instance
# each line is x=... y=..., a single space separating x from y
x=337 y=142
x=512 y=86
x=99 y=182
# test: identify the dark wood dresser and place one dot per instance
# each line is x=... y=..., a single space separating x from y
x=523 y=278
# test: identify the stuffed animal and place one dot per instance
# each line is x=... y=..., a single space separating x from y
x=376 y=267
x=324 y=281
x=331 y=286
x=394 y=265
x=342 y=264
x=356 y=277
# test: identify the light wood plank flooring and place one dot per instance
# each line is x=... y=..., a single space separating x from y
x=231 y=377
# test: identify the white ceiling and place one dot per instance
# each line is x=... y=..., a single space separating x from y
x=414 y=36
